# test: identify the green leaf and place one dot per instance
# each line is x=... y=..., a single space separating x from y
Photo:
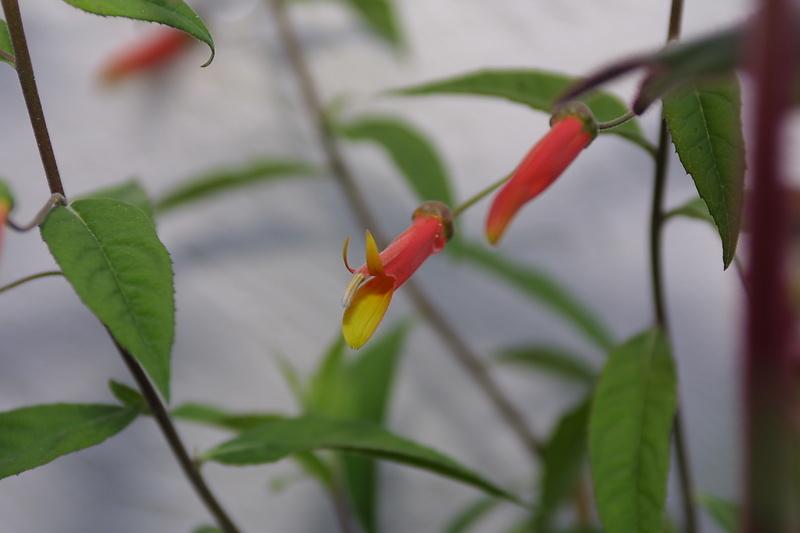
x=128 y=192
x=562 y=464
x=227 y=179
x=110 y=253
x=629 y=434
x=7 y=49
x=706 y=128
x=128 y=396
x=6 y=196
x=371 y=376
x=537 y=89
x=291 y=377
x=206 y=529
x=695 y=208
x=174 y=13
x=275 y=440
x=724 y=513
x=328 y=394
x=468 y=517
x=410 y=150
x=214 y=416
x=34 y=436
x=379 y=15
x=550 y=360
x=536 y=285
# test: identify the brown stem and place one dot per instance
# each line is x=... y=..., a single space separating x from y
x=770 y=393
x=164 y=422
x=656 y=244
x=469 y=360
x=28 y=83
x=33 y=102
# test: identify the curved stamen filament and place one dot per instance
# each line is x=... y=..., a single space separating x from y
x=355 y=284
x=345 y=246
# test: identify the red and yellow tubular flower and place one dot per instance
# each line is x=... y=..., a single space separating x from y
x=162 y=47
x=571 y=130
x=6 y=205
x=370 y=290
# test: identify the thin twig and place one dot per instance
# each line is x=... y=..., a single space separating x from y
x=162 y=418
x=26 y=279
x=55 y=200
x=620 y=120
x=33 y=102
x=468 y=359
x=28 y=83
x=656 y=244
x=480 y=195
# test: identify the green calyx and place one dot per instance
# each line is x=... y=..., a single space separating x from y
x=6 y=197
x=578 y=110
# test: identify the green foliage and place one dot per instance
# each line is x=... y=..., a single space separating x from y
x=34 y=436
x=128 y=192
x=5 y=44
x=538 y=286
x=629 y=434
x=111 y=255
x=706 y=129
x=175 y=13
x=549 y=360
x=537 y=89
x=410 y=150
x=227 y=179
x=469 y=517
x=562 y=463
x=724 y=513
x=6 y=196
x=380 y=17
x=695 y=208
x=358 y=390
x=206 y=529
x=128 y=396
x=275 y=440
x=214 y=416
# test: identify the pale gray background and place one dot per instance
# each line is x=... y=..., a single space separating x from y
x=260 y=273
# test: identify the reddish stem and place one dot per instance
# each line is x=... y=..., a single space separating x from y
x=767 y=363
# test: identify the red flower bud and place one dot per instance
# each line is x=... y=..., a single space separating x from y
x=162 y=47
x=572 y=130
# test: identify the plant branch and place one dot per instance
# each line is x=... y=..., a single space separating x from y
x=468 y=359
x=656 y=244
x=34 y=104
x=26 y=279
x=55 y=200
x=480 y=195
x=162 y=418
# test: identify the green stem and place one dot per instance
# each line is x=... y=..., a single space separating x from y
x=465 y=356
x=659 y=304
x=622 y=119
x=469 y=202
x=34 y=105
x=26 y=279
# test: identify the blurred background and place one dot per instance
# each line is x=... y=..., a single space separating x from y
x=259 y=273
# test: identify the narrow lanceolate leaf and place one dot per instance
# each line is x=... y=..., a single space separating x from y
x=724 y=513
x=706 y=128
x=128 y=396
x=273 y=441
x=629 y=434
x=371 y=379
x=228 y=179
x=537 y=89
x=128 y=192
x=696 y=209
x=471 y=515
x=380 y=17
x=34 y=436
x=6 y=48
x=110 y=253
x=217 y=417
x=175 y=13
x=411 y=152
x=537 y=285
x=562 y=464
x=549 y=360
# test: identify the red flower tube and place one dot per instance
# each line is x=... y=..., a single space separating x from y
x=372 y=286
x=572 y=129
x=162 y=47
